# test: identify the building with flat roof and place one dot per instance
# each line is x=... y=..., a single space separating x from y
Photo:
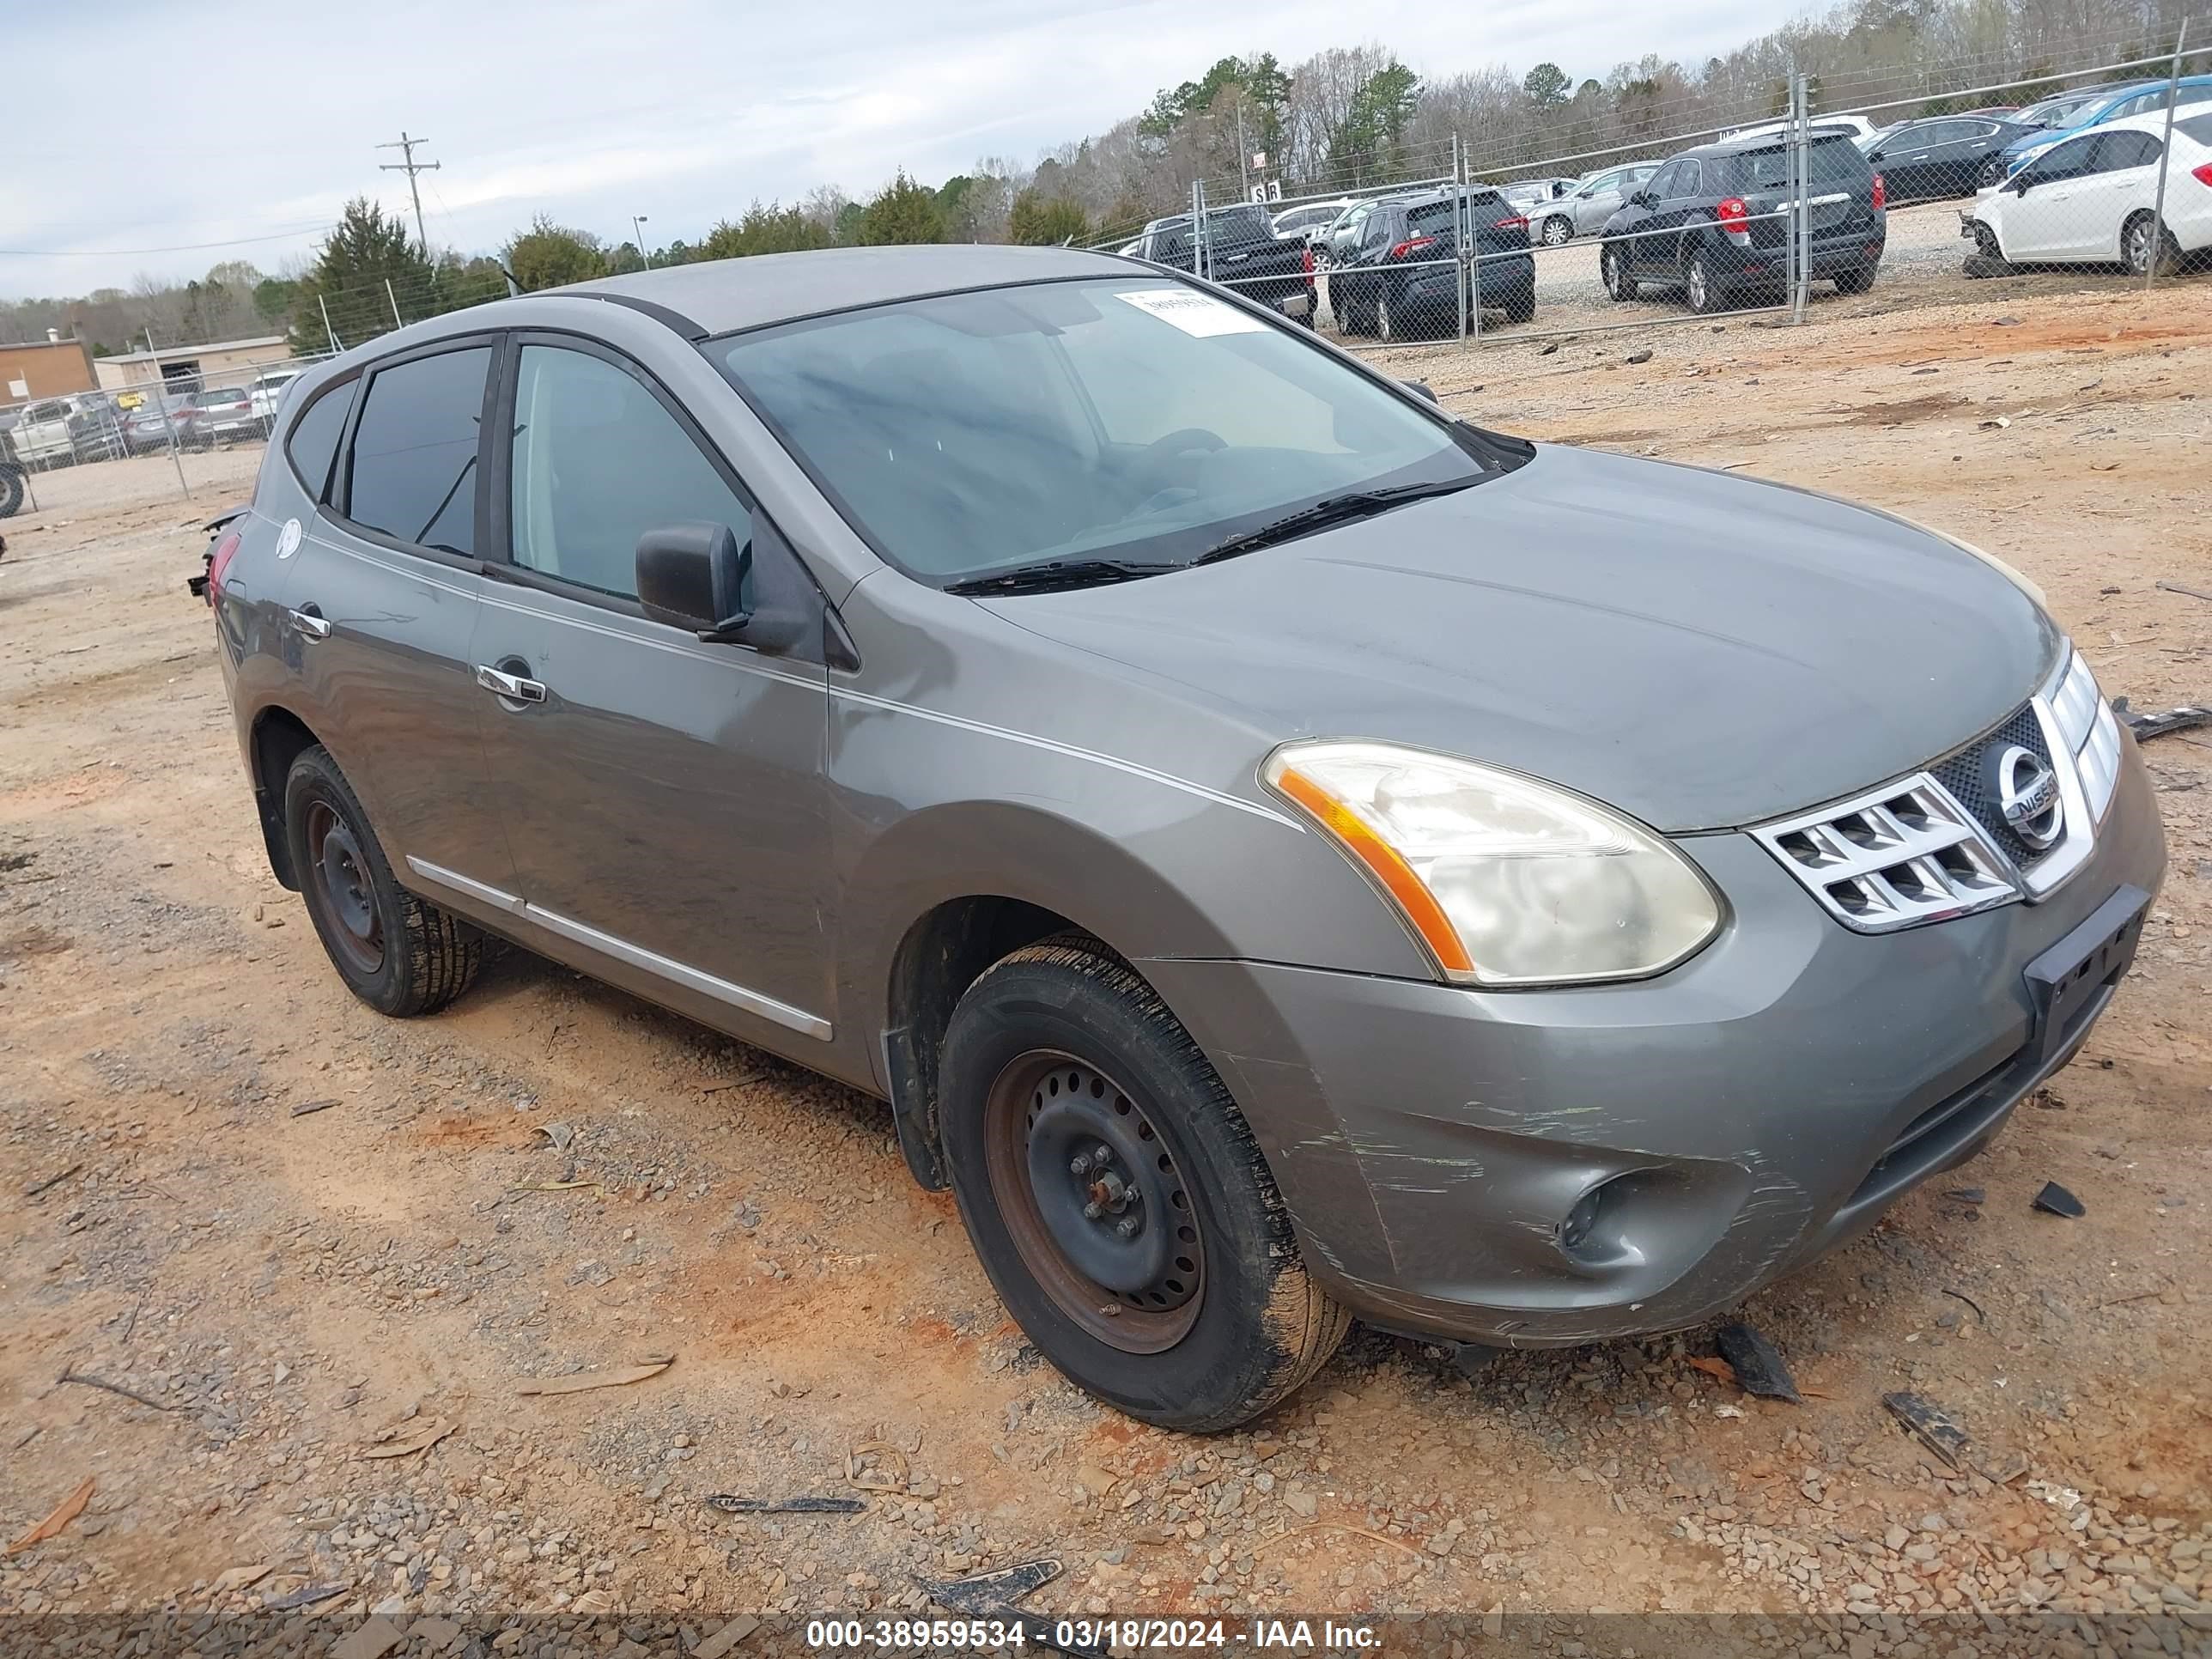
x=220 y=362
x=44 y=369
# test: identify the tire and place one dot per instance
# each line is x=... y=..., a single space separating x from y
x=1558 y=230
x=2142 y=242
x=1387 y=328
x=1061 y=1045
x=1612 y=269
x=1701 y=286
x=11 y=489
x=1989 y=173
x=1988 y=258
x=1854 y=279
x=1522 y=307
x=398 y=954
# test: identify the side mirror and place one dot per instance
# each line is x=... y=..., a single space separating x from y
x=1639 y=199
x=693 y=575
x=1421 y=387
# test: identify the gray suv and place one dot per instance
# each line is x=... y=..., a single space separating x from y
x=1284 y=854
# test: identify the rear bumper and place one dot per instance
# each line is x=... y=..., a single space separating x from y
x=1738 y=1117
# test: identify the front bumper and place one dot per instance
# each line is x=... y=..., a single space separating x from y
x=1744 y=1113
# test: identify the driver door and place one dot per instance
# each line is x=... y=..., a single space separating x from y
x=2039 y=222
x=664 y=798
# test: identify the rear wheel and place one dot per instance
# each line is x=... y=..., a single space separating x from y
x=11 y=489
x=1854 y=279
x=1701 y=284
x=1117 y=1199
x=398 y=954
x=1386 y=327
x=1521 y=305
x=2144 y=242
x=1613 y=267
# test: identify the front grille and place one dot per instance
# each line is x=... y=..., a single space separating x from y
x=1894 y=857
x=1965 y=774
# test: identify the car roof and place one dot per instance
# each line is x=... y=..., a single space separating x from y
x=719 y=295
x=2151 y=121
x=1749 y=142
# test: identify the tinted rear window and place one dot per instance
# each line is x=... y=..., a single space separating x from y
x=2198 y=127
x=314 y=437
x=1829 y=161
x=414 y=469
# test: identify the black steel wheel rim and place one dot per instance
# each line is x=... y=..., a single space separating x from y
x=1095 y=1201
x=339 y=870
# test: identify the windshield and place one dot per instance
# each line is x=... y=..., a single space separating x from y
x=1138 y=420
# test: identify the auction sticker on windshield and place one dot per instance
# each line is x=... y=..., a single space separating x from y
x=1195 y=313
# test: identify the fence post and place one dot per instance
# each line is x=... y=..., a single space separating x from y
x=2165 y=160
x=168 y=426
x=1800 y=214
x=1463 y=234
x=1197 y=228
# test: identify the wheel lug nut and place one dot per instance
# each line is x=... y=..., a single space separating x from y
x=1103 y=1156
x=1078 y=1165
x=1092 y=1212
x=1128 y=1227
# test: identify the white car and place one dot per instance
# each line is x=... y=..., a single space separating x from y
x=1309 y=219
x=2092 y=198
x=1858 y=126
x=267 y=390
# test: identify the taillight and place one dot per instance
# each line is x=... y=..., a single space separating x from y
x=1309 y=258
x=1881 y=193
x=218 y=561
x=1510 y=224
x=1735 y=215
x=1412 y=244
x=2202 y=175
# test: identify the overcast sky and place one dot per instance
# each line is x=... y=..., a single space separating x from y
x=148 y=123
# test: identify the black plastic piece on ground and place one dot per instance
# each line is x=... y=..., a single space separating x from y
x=729 y=1504
x=1759 y=1368
x=2055 y=1199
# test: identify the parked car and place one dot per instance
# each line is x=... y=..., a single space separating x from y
x=2094 y=198
x=1532 y=195
x=1243 y=252
x=1285 y=854
x=1713 y=222
x=225 y=414
x=1948 y=156
x=1309 y=219
x=157 y=421
x=12 y=485
x=266 y=390
x=1402 y=274
x=2060 y=108
x=2118 y=104
x=1595 y=198
x=1853 y=126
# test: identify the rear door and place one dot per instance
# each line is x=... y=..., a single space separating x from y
x=666 y=798
x=2123 y=179
x=383 y=605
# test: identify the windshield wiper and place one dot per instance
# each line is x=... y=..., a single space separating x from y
x=1056 y=572
x=1332 y=509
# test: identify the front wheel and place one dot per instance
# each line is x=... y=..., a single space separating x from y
x=1116 y=1196
x=1558 y=231
x=398 y=954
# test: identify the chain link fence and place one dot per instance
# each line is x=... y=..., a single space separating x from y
x=1926 y=183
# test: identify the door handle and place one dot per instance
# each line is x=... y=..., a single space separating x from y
x=311 y=623
x=511 y=686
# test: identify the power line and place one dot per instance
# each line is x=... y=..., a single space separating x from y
x=410 y=166
x=175 y=247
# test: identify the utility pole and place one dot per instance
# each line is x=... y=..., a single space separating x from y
x=637 y=226
x=410 y=166
x=1243 y=151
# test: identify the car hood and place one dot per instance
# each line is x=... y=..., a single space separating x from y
x=1700 y=650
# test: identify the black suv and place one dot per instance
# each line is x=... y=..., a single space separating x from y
x=1243 y=253
x=1715 y=222
x=1397 y=267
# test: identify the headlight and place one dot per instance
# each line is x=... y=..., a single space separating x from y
x=2089 y=730
x=1506 y=880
